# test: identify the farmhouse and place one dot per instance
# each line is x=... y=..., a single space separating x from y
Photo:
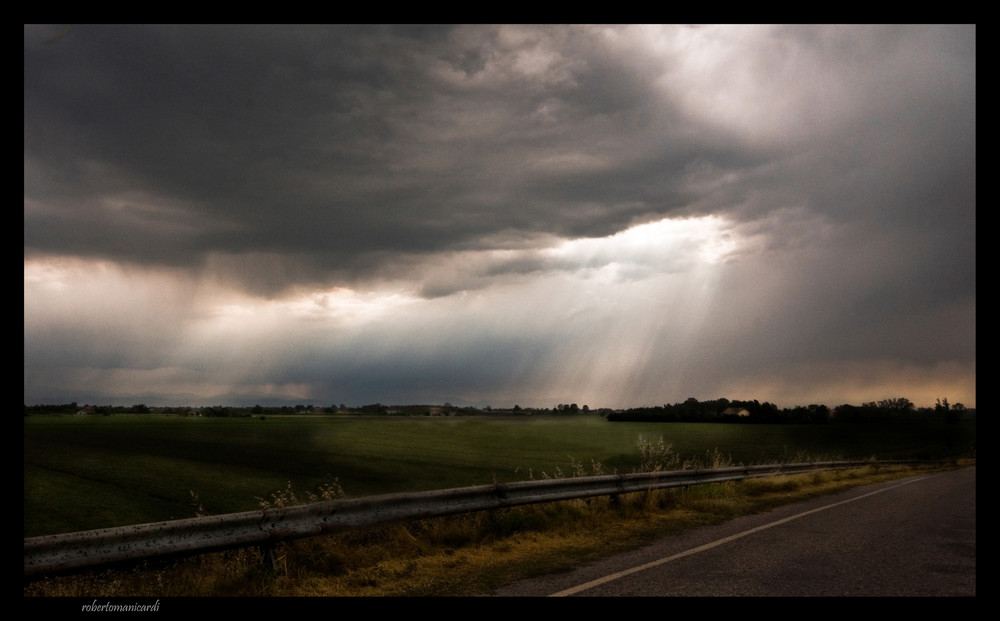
x=741 y=412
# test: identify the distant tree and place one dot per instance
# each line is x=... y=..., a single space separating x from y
x=763 y=412
x=896 y=408
x=956 y=413
x=950 y=413
x=819 y=414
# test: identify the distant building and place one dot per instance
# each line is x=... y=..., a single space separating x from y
x=741 y=412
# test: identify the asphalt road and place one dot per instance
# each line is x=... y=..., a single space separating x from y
x=910 y=537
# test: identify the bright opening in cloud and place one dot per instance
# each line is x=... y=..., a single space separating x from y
x=667 y=245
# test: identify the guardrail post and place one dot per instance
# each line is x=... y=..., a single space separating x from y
x=269 y=556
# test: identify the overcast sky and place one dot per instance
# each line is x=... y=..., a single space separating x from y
x=613 y=216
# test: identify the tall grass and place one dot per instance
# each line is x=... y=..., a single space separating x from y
x=286 y=497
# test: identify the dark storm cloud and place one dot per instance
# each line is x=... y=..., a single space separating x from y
x=457 y=164
x=341 y=145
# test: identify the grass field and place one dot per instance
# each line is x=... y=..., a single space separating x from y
x=95 y=472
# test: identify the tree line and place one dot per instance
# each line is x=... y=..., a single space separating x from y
x=721 y=410
x=898 y=409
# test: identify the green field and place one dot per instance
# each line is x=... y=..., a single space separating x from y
x=95 y=472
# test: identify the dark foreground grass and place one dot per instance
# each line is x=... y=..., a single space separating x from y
x=82 y=473
x=466 y=555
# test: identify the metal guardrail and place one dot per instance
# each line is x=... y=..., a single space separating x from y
x=94 y=549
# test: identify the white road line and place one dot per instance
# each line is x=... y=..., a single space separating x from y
x=709 y=546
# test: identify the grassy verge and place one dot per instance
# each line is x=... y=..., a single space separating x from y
x=463 y=555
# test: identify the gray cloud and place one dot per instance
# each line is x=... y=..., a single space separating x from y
x=253 y=165
x=337 y=142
